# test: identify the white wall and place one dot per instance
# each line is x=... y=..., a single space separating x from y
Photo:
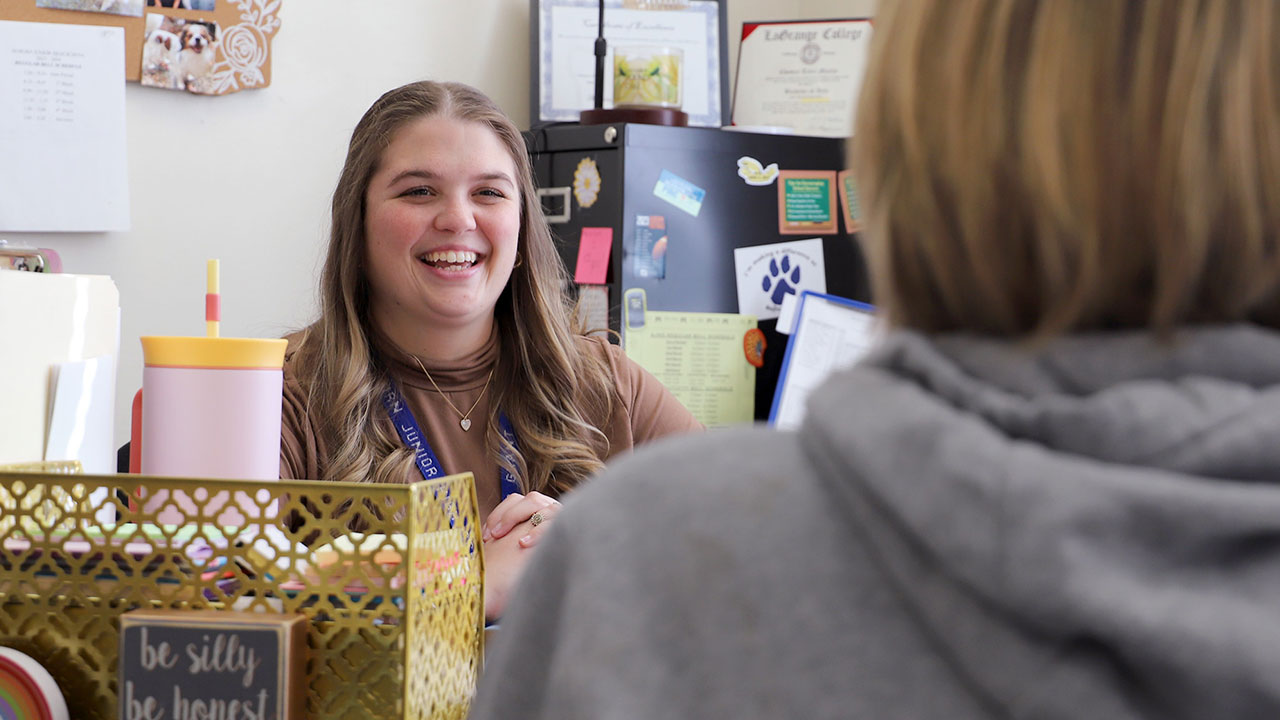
x=836 y=8
x=247 y=177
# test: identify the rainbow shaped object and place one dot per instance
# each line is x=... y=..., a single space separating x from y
x=27 y=690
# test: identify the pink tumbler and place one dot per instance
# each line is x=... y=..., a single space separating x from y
x=211 y=407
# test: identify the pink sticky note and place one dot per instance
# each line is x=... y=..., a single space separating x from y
x=593 y=255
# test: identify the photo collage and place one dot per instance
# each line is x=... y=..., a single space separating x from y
x=179 y=53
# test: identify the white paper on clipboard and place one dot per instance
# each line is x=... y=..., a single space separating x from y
x=831 y=333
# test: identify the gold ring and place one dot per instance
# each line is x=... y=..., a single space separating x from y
x=537 y=519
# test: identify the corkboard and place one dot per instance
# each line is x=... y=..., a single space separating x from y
x=242 y=46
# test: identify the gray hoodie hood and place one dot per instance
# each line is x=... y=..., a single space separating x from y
x=1087 y=530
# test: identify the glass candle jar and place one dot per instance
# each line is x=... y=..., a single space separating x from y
x=647 y=76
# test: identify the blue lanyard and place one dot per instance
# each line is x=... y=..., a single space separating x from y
x=424 y=457
x=508 y=481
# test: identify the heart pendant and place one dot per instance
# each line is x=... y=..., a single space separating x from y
x=465 y=423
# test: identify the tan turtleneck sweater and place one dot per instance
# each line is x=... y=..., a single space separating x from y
x=643 y=410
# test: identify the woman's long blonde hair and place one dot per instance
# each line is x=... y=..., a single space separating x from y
x=1034 y=167
x=548 y=387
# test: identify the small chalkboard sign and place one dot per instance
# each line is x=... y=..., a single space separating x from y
x=197 y=664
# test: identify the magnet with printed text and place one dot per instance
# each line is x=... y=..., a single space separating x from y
x=591 y=311
x=649 y=260
x=849 y=206
x=755 y=173
x=807 y=202
x=634 y=306
x=679 y=192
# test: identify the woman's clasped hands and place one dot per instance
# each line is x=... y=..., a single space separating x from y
x=513 y=528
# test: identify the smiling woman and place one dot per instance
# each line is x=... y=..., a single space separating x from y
x=442 y=309
x=442 y=228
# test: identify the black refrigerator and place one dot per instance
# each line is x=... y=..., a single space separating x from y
x=617 y=184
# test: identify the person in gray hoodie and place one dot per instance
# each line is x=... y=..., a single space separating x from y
x=1054 y=490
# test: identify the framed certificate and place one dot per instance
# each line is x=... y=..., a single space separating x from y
x=801 y=75
x=563 y=35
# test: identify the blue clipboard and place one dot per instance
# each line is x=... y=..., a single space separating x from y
x=784 y=374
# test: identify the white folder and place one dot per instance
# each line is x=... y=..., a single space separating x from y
x=58 y=333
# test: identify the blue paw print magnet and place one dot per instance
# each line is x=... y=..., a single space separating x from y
x=782 y=277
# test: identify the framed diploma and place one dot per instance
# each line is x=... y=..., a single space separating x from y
x=563 y=35
x=801 y=75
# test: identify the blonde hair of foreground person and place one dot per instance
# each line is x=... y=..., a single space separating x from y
x=1037 y=168
x=543 y=381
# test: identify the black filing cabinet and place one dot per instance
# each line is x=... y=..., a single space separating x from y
x=700 y=274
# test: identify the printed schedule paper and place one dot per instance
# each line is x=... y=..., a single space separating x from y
x=700 y=358
x=63 y=165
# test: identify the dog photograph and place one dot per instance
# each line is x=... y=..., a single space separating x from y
x=132 y=8
x=179 y=54
x=160 y=54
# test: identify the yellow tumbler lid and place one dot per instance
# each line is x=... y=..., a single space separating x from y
x=207 y=352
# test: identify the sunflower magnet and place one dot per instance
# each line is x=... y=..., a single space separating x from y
x=586 y=182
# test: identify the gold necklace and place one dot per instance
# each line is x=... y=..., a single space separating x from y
x=465 y=422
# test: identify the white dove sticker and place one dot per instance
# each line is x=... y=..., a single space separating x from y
x=754 y=173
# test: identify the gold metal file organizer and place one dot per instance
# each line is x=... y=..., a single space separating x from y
x=396 y=612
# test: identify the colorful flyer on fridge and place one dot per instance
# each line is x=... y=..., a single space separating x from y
x=852 y=210
x=649 y=256
x=807 y=202
x=769 y=273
